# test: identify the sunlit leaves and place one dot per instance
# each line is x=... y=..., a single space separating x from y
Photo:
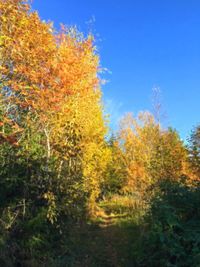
x=52 y=106
x=150 y=153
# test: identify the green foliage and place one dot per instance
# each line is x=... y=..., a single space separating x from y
x=172 y=237
x=194 y=152
x=115 y=174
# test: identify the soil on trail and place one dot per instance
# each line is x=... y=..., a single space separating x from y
x=109 y=242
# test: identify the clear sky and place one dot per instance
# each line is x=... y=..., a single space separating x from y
x=143 y=44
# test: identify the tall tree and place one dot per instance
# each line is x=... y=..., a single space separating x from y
x=52 y=128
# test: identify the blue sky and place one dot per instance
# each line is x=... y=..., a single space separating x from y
x=143 y=44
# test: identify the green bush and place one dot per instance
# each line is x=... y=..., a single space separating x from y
x=173 y=235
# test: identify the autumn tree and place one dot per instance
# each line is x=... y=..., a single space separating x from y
x=52 y=125
x=149 y=153
x=169 y=159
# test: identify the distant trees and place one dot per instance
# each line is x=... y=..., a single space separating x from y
x=115 y=174
x=149 y=153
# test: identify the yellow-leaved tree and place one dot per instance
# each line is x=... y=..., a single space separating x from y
x=51 y=107
x=150 y=153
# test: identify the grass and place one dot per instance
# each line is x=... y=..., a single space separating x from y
x=111 y=239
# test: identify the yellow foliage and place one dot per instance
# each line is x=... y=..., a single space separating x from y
x=149 y=153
